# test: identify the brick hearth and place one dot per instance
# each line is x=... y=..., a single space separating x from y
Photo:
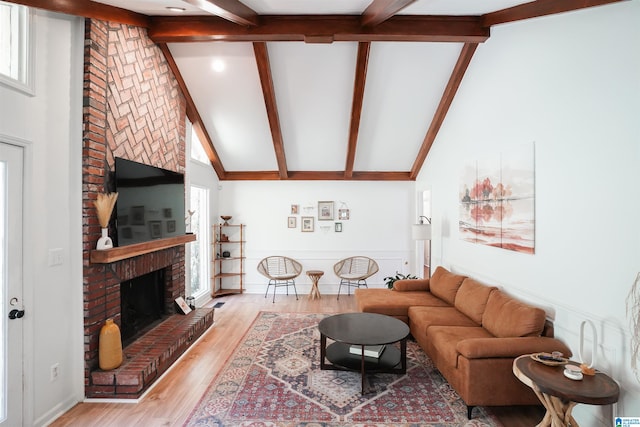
x=150 y=356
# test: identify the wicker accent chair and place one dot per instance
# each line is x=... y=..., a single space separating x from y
x=354 y=272
x=281 y=271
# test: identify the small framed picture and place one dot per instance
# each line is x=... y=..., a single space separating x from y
x=307 y=223
x=155 y=229
x=325 y=211
x=338 y=227
x=127 y=233
x=291 y=222
x=171 y=226
x=295 y=209
x=343 y=214
x=137 y=215
x=182 y=305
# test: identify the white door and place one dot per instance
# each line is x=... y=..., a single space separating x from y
x=12 y=311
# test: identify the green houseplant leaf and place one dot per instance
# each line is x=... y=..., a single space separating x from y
x=389 y=281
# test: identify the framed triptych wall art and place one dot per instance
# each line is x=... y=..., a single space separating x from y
x=497 y=200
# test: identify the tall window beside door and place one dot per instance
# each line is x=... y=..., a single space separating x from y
x=199 y=267
x=15 y=47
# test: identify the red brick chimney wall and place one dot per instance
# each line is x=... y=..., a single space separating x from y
x=132 y=108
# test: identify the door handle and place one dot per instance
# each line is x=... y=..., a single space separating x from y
x=16 y=314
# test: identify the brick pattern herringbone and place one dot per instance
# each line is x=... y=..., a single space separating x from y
x=132 y=108
x=146 y=114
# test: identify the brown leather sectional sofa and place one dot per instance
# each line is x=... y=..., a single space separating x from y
x=471 y=331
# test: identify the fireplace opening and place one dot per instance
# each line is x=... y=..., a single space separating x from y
x=141 y=304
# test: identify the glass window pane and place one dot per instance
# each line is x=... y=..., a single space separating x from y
x=199 y=265
x=197 y=152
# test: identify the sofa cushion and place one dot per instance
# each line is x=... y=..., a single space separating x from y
x=445 y=284
x=472 y=297
x=445 y=340
x=505 y=316
x=392 y=303
x=421 y=318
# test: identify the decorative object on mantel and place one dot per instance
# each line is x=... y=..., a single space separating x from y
x=109 y=346
x=104 y=206
x=226 y=219
x=633 y=311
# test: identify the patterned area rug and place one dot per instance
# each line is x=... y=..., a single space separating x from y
x=274 y=379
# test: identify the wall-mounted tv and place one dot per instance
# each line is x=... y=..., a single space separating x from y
x=150 y=202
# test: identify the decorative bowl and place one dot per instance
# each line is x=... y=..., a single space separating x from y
x=549 y=359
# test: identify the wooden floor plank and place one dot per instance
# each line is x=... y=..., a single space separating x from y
x=173 y=397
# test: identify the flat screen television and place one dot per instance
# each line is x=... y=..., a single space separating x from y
x=151 y=202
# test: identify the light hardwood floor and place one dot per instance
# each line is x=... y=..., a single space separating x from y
x=172 y=398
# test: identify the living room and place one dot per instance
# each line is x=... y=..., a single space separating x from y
x=571 y=92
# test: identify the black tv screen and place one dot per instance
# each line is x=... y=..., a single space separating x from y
x=150 y=202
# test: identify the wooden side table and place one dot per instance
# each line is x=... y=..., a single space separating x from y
x=559 y=394
x=315 y=276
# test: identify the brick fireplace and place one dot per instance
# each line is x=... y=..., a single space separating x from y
x=133 y=108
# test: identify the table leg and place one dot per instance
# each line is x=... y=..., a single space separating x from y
x=323 y=351
x=558 y=412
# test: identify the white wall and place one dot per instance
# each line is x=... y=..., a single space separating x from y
x=380 y=214
x=50 y=125
x=570 y=84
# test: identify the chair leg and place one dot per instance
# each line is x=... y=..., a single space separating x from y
x=293 y=282
x=268 y=284
x=339 y=288
x=469 y=410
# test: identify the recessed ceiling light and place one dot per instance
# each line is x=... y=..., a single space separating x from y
x=218 y=65
x=176 y=9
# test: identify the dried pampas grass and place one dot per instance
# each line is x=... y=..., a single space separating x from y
x=633 y=311
x=104 y=205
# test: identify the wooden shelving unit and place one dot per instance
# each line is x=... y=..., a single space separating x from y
x=228 y=272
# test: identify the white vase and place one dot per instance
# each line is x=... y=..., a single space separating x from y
x=105 y=241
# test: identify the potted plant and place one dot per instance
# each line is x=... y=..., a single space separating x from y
x=389 y=281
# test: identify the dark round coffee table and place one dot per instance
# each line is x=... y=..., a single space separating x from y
x=363 y=330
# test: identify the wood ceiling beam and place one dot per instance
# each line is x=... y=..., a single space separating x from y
x=539 y=8
x=356 y=107
x=268 y=92
x=231 y=10
x=317 y=176
x=194 y=116
x=381 y=10
x=459 y=29
x=89 y=9
x=445 y=102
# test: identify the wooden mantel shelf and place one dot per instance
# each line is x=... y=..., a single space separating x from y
x=106 y=256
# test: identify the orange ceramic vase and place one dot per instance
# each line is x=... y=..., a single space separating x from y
x=109 y=346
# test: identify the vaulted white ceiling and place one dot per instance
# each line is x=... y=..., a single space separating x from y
x=320 y=89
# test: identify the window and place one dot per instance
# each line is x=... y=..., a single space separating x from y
x=199 y=223
x=15 y=47
x=197 y=152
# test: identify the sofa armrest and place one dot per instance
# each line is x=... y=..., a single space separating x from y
x=405 y=285
x=479 y=348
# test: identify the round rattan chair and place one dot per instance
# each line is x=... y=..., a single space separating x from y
x=281 y=271
x=354 y=272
